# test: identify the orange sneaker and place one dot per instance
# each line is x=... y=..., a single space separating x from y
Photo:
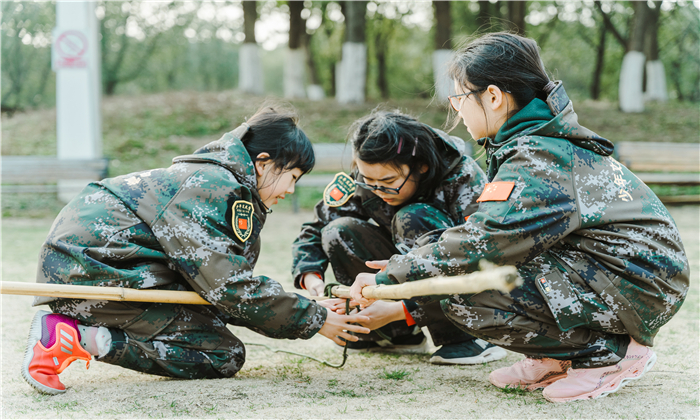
x=584 y=384
x=530 y=374
x=53 y=344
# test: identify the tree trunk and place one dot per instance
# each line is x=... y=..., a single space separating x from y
x=483 y=18
x=443 y=51
x=516 y=16
x=294 y=70
x=631 y=88
x=443 y=25
x=351 y=77
x=599 y=62
x=250 y=15
x=250 y=77
x=656 y=75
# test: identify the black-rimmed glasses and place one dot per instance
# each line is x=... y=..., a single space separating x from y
x=385 y=190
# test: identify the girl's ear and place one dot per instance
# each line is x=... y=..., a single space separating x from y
x=495 y=97
x=423 y=168
x=261 y=162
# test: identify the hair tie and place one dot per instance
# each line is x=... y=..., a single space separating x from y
x=414 y=146
x=400 y=145
x=549 y=87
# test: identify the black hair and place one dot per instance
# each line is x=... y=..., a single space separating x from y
x=275 y=130
x=396 y=139
x=508 y=61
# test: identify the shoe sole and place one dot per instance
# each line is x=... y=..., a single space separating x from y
x=591 y=395
x=489 y=355
x=35 y=337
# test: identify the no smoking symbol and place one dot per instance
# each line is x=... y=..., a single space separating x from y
x=71 y=46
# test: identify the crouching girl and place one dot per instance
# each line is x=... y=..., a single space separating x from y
x=193 y=226
x=601 y=258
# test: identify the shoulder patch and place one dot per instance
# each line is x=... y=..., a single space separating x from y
x=339 y=191
x=496 y=191
x=242 y=219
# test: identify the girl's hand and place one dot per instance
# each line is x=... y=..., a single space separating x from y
x=313 y=283
x=336 y=305
x=362 y=280
x=336 y=327
x=377 y=265
x=382 y=313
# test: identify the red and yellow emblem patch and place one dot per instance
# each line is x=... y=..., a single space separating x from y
x=242 y=219
x=339 y=191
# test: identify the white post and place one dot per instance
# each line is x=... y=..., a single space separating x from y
x=444 y=86
x=294 y=73
x=351 y=74
x=631 y=82
x=76 y=61
x=656 y=81
x=250 y=77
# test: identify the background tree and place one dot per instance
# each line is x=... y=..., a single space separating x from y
x=250 y=67
x=443 y=50
x=352 y=73
x=517 y=10
x=294 y=70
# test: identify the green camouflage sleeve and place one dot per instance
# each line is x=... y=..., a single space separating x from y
x=307 y=251
x=201 y=242
x=539 y=211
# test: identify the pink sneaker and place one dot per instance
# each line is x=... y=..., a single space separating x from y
x=53 y=344
x=582 y=384
x=530 y=374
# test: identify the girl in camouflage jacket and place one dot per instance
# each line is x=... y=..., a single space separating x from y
x=193 y=226
x=409 y=183
x=601 y=258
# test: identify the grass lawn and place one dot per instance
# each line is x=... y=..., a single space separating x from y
x=147 y=131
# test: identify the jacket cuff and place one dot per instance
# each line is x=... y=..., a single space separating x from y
x=382 y=278
x=298 y=273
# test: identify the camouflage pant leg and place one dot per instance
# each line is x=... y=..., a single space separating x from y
x=178 y=341
x=417 y=225
x=523 y=320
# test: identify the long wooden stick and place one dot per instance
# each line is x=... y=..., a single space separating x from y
x=498 y=278
x=504 y=278
x=100 y=293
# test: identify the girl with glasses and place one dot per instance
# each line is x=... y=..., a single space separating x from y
x=409 y=183
x=601 y=258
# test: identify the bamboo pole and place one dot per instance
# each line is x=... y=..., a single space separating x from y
x=504 y=279
x=493 y=278
x=123 y=294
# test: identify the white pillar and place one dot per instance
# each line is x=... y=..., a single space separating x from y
x=656 y=81
x=295 y=74
x=76 y=61
x=631 y=82
x=250 y=76
x=444 y=86
x=351 y=74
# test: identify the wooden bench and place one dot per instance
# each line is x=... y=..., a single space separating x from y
x=36 y=174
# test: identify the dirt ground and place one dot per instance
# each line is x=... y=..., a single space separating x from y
x=277 y=385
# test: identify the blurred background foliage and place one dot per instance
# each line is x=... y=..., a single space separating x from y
x=152 y=47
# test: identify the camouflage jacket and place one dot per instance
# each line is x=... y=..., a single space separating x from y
x=456 y=196
x=563 y=193
x=193 y=226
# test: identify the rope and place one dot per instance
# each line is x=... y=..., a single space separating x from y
x=323 y=362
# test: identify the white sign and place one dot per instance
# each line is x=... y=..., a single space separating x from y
x=69 y=50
